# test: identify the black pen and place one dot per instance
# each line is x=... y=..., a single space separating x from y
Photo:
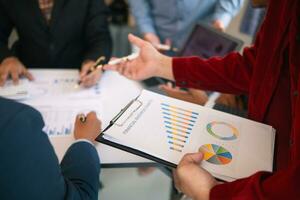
x=98 y=65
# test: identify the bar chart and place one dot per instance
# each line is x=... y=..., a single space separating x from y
x=179 y=124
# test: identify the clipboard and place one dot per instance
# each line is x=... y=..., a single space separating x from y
x=146 y=121
x=118 y=122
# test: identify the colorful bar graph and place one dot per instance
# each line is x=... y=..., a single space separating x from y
x=179 y=123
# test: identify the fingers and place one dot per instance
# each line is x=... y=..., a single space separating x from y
x=92 y=78
x=113 y=67
x=15 y=76
x=136 y=41
x=91 y=115
x=84 y=70
x=28 y=75
x=3 y=77
x=110 y=67
x=80 y=118
x=191 y=158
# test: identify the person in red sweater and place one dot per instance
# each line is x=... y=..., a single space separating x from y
x=268 y=72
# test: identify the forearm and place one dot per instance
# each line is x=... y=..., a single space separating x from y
x=225 y=10
x=263 y=185
x=165 y=69
x=141 y=12
x=81 y=168
x=231 y=74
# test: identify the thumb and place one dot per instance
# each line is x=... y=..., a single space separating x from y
x=192 y=158
x=85 y=68
x=136 y=40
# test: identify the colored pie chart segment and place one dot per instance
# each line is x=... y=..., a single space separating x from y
x=215 y=154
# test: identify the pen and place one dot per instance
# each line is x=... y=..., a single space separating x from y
x=126 y=58
x=98 y=65
x=164 y=47
x=82 y=118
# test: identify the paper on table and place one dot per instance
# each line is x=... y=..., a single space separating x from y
x=15 y=92
x=60 y=119
x=54 y=94
x=51 y=85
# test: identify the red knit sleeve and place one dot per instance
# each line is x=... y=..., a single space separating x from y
x=282 y=184
x=231 y=74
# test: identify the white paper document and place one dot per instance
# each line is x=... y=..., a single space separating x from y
x=55 y=94
x=16 y=92
x=168 y=128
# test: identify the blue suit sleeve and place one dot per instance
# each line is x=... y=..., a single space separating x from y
x=81 y=168
x=141 y=9
x=29 y=168
x=225 y=10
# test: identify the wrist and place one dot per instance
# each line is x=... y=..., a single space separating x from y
x=202 y=195
x=83 y=137
x=165 y=69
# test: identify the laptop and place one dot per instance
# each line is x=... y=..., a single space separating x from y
x=205 y=42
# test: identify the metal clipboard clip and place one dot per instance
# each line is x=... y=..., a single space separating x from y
x=123 y=116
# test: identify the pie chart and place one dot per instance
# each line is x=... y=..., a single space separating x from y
x=215 y=154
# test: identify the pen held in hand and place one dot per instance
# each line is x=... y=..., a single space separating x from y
x=126 y=58
x=164 y=47
x=98 y=65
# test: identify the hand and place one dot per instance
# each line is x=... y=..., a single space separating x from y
x=149 y=63
x=13 y=67
x=192 y=95
x=217 y=24
x=230 y=101
x=89 y=129
x=155 y=41
x=192 y=179
x=88 y=80
x=152 y=38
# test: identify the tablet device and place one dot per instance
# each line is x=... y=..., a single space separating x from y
x=206 y=42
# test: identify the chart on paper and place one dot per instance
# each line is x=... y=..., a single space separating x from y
x=215 y=154
x=222 y=130
x=60 y=120
x=179 y=125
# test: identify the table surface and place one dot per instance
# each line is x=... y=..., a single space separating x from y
x=117 y=92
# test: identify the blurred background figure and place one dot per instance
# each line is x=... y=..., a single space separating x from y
x=120 y=26
x=53 y=34
x=252 y=20
x=171 y=21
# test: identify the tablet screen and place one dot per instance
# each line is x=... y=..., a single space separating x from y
x=206 y=42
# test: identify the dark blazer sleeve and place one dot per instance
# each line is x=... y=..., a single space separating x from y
x=97 y=36
x=6 y=27
x=81 y=168
x=29 y=168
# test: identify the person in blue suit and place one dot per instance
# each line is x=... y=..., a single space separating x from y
x=29 y=168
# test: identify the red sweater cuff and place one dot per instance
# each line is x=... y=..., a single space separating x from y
x=180 y=72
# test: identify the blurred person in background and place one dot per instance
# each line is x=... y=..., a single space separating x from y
x=171 y=21
x=53 y=34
